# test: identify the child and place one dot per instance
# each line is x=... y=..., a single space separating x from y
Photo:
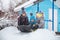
x=32 y=19
x=33 y=22
x=40 y=19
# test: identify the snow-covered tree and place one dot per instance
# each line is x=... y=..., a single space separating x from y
x=8 y=6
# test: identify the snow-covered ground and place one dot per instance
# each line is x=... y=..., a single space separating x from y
x=7 y=22
x=12 y=33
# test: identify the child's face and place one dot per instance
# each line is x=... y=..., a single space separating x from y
x=24 y=14
x=37 y=16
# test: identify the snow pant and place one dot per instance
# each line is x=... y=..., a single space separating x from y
x=24 y=28
x=35 y=27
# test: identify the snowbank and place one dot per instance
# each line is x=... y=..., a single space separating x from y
x=12 y=33
x=7 y=22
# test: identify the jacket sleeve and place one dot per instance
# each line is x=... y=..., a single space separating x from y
x=27 y=21
x=19 y=21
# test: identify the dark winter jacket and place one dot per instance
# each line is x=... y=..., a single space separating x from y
x=23 y=20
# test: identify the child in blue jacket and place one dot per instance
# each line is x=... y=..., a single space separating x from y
x=32 y=20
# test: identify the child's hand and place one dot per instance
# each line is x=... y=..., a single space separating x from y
x=34 y=25
x=32 y=20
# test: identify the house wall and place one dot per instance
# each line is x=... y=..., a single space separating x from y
x=44 y=7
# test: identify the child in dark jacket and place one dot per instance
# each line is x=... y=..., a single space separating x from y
x=24 y=19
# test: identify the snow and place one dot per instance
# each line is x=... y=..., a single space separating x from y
x=6 y=4
x=7 y=23
x=12 y=33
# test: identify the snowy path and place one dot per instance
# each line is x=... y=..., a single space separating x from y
x=12 y=33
